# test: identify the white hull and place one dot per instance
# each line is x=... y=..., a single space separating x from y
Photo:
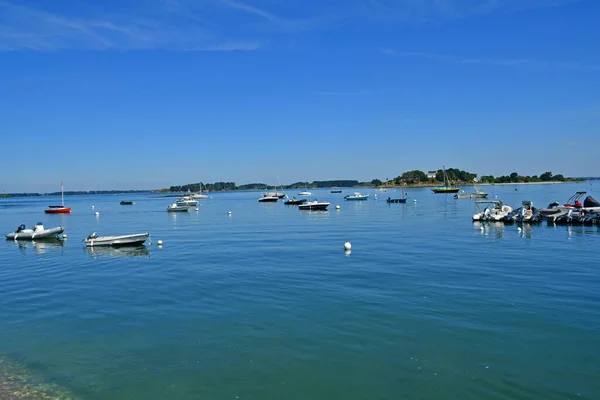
x=313 y=206
x=177 y=208
x=305 y=194
x=123 y=240
x=35 y=234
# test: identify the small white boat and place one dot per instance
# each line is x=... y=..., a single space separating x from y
x=356 y=196
x=178 y=208
x=305 y=193
x=313 y=206
x=38 y=232
x=122 y=240
x=186 y=201
x=495 y=213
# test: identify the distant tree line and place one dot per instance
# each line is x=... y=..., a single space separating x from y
x=222 y=186
x=416 y=177
x=516 y=178
x=211 y=187
x=456 y=175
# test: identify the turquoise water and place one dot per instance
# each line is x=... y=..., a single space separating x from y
x=265 y=303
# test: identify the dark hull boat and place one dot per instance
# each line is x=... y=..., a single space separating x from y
x=390 y=200
x=127 y=202
x=313 y=206
x=294 y=202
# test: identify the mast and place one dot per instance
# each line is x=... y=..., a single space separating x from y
x=62 y=193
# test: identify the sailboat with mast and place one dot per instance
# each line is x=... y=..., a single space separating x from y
x=447 y=188
x=200 y=195
x=59 y=209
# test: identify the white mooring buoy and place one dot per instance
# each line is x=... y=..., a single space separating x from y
x=64 y=235
x=347 y=246
x=337 y=207
x=196 y=208
x=97 y=213
x=159 y=243
x=92 y=207
x=229 y=213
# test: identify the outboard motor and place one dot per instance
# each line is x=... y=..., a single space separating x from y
x=21 y=228
x=553 y=205
x=590 y=202
x=92 y=236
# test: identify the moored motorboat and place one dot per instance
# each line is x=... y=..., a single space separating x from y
x=314 y=206
x=268 y=199
x=555 y=209
x=38 y=232
x=477 y=194
x=305 y=193
x=526 y=213
x=127 y=202
x=495 y=213
x=336 y=191
x=122 y=240
x=177 y=208
x=356 y=196
x=294 y=201
x=186 y=201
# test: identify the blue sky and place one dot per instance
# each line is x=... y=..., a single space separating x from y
x=145 y=94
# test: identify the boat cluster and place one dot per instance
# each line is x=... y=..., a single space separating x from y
x=571 y=212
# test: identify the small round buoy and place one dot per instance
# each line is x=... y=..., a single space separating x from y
x=347 y=246
x=92 y=207
x=519 y=229
x=229 y=213
x=337 y=207
x=415 y=200
x=159 y=243
x=64 y=235
x=196 y=208
x=97 y=213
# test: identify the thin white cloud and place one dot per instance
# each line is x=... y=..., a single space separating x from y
x=33 y=29
x=507 y=62
x=249 y=9
x=214 y=24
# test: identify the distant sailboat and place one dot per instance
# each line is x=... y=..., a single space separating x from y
x=447 y=188
x=199 y=195
x=59 y=209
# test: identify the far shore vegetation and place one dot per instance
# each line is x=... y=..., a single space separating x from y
x=456 y=177
x=414 y=178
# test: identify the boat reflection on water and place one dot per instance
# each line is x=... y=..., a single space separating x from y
x=127 y=251
x=39 y=246
x=489 y=228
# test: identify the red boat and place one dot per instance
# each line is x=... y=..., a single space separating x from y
x=59 y=209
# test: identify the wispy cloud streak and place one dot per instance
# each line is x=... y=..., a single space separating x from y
x=213 y=24
x=506 y=62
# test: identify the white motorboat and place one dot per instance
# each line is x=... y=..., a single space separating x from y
x=356 y=196
x=38 y=232
x=477 y=194
x=313 y=206
x=178 y=208
x=497 y=212
x=268 y=199
x=122 y=240
x=186 y=201
x=305 y=193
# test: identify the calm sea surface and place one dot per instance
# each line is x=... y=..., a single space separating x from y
x=265 y=304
